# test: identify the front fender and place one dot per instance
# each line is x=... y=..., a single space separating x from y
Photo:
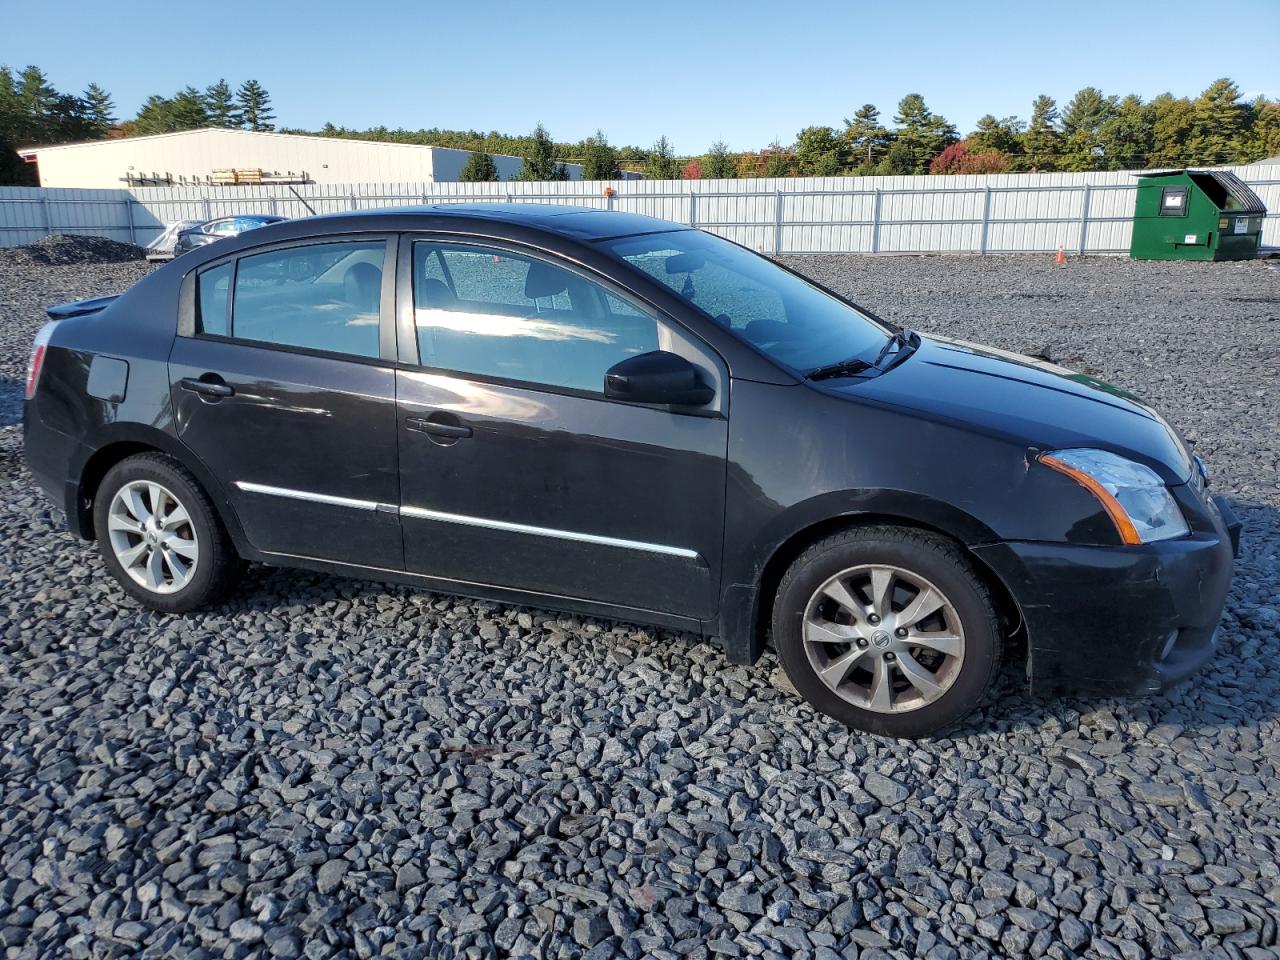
x=741 y=628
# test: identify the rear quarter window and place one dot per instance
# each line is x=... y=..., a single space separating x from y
x=213 y=286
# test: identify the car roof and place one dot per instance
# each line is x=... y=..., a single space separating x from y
x=579 y=223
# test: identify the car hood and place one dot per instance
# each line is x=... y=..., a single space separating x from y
x=1031 y=401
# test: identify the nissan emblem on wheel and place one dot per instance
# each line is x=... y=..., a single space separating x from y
x=618 y=416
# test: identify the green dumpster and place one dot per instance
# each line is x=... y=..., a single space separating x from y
x=1196 y=215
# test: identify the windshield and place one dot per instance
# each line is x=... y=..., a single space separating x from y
x=787 y=318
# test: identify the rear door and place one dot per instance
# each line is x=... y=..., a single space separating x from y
x=516 y=471
x=283 y=385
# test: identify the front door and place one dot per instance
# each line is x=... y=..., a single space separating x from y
x=285 y=394
x=517 y=472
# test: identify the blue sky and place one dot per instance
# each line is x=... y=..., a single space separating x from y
x=744 y=72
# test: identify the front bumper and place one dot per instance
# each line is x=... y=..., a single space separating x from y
x=1119 y=620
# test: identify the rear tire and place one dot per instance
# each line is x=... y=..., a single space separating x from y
x=887 y=629
x=160 y=536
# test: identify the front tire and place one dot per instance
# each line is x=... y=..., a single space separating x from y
x=888 y=630
x=160 y=536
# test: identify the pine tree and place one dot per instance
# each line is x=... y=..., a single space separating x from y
x=1171 y=122
x=184 y=111
x=718 y=163
x=189 y=110
x=10 y=111
x=1087 y=111
x=817 y=152
x=865 y=134
x=99 y=110
x=220 y=105
x=599 y=160
x=922 y=132
x=662 y=164
x=899 y=160
x=68 y=119
x=36 y=99
x=255 y=106
x=1041 y=144
x=540 y=159
x=1217 y=122
x=1004 y=135
x=479 y=168
x=775 y=161
x=1081 y=122
x=155 y=116
x=1263 y=137
x=1126 y=138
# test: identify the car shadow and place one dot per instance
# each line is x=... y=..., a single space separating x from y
x=1215 y=697
x=11 y=397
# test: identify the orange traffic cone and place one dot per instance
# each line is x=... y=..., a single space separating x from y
x=1062 y=255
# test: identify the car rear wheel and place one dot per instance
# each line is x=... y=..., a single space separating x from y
x=160 y=537
x=887 y=629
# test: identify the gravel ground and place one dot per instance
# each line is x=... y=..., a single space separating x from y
x=61 y=250
x=322 y=767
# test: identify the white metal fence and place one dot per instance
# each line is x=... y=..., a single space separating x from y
x=999 y=213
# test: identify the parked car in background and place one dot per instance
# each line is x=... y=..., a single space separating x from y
x=162 y=247
x=219 y=229
x=616 y=415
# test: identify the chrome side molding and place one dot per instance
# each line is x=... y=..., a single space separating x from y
x=422 y=513
x=270 y=491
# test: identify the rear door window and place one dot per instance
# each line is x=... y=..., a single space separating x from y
x=323 y=297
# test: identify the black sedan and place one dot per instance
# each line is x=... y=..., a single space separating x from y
x=615 y=415
x=219 y=229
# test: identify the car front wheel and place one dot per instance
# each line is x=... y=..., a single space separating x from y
x=887 y=629
x=160 y=537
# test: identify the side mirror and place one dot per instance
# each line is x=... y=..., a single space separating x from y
x=657 y=377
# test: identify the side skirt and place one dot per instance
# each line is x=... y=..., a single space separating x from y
x=484 y=591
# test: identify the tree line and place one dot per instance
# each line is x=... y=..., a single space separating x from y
x=33 y=112
x=1093 y=131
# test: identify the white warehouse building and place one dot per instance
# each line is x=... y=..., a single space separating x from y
x=219 y=155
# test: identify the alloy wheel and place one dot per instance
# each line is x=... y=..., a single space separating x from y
x=152 y=536
x=883 y=638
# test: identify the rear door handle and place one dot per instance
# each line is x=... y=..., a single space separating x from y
x=451 y=430
x=207 y=388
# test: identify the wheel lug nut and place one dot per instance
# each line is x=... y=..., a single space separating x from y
x=890 y=656
x=900 y=632
x=862 y=641
x=873 y=619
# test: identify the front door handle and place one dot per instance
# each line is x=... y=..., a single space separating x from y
x=207 y=388
x=453 y=431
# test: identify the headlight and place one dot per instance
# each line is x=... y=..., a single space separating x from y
x=1134 y=496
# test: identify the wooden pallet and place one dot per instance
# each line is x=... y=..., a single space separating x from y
x=249 y=175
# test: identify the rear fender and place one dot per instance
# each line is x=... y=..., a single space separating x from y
x=115 y=441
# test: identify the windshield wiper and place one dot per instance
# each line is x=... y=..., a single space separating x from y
x=900 y=338
x=841 y=368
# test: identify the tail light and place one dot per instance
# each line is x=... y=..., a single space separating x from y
x=37 y=358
